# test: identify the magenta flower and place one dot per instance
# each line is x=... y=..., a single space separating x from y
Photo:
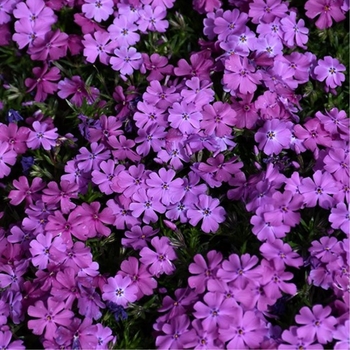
x=203 y=270
x=230 y=22
x=240 y=75
x=52 y=47
x=274 y=136
x=44 y=82
x=144 y=203
x=104 y=177
x=327 y=9
x=295 y=33
x=7 y=157
x=88 y=161
x=78 y=89
x=99 y=10
x=295 y=341
x=246 y=330
x=157 y=65
x=126 y=61
x=317 y=323
x=208 y=210
x=25 y=192
x=99 y=46
x=152 y=19
x=185 y=117
x=177 y=334
x=34 y=11
x=5 y=339
x=160 y=260
x=335 y=121
x=215 y=311
x=266 y=10
x=48 y=317
x=340 y=217
x=41 y=136
x=329 y=69
x=120 y=290
x=138 y=236
x=165 y=187
x=123 y=31
x=319 y=190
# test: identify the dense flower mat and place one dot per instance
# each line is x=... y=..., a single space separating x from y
x=174 y=175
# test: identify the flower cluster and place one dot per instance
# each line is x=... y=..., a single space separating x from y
x=219 y=177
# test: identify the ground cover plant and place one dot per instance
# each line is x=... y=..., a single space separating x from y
x=174 y=175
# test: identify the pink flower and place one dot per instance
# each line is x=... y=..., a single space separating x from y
x=160 y=260
x=340 y=217
x=25 y=192
x=48 y=317
x=99 y=10
x=266 y=10
x=330 y=69
x=327 y=9
x=42 y=137
x=126 y=61
x=294 y=32
x=7 y=157
x=240 y=75
x=43 y=82
x=317 y=323
x=208 y=210
x=120 y=290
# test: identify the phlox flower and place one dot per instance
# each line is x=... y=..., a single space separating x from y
x=7 y=157
x=123 y=31
x=206 y=339
x=5 y=341
x=295 y=33
x=98 y=45
x=270 y=45
x=329 y=69
x=104 y=177
x=295 y=341
x=340 y=218
x=120 y=290
x=144 y=203
x=246 y=330
x=99 y=10
x=240 y=75
x=44 y=82
x=337 y=163
x=266 y=10
x=246 y=112
x=48 y=317
x=160 y=260
x=34 y=11
x=52 y=47
x=316 y=322
x=126 y=60
x=138 y=236
x=42 y=135
x=335 y=122
x=327 y=249
x=6 y=10
x=150 y=138
x=230 y=22
x=122 y=148
x=185 y=116
x=198 y=91
x=152 y=19
x=158 y=67
x=273 y=136
x=88 y=161
x=342 y=334
x=27 y=32
x=177 y=334
x=208 y=210
x=204 y=270
x=319 y=190
x=327 y=9
x=78 y=89
x=215 y=311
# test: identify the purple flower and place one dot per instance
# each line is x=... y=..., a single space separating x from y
x=240 y=75
x=177 y=334
x=78 y=89
x=216 y=311
x=126 y=61
x=230 y=22
x=152 y=19
x=208 y=210
x=5 y=338
x=316 y=323
x=335 y=121
x=43 y=82
x=99 y=10
x=340 y=217
x=329 y=69
x=91 y=160
x=144 y=203
x=274 y=136
x=342 y=333
x=48 y=317
x=294 y=32
x=160 y=260
x=104 y=177
x=327 y=9
x=246 y=330
x=158 y=66
x=23 y=191
x=204 y=271
x=319 y=190
x=120 y=290
x=7 y=157
x=270 y=45
x=138 y=236
x=295 y=341
x=52 y=47
x=122 y=31
x=98 y=45
x=266 y=10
